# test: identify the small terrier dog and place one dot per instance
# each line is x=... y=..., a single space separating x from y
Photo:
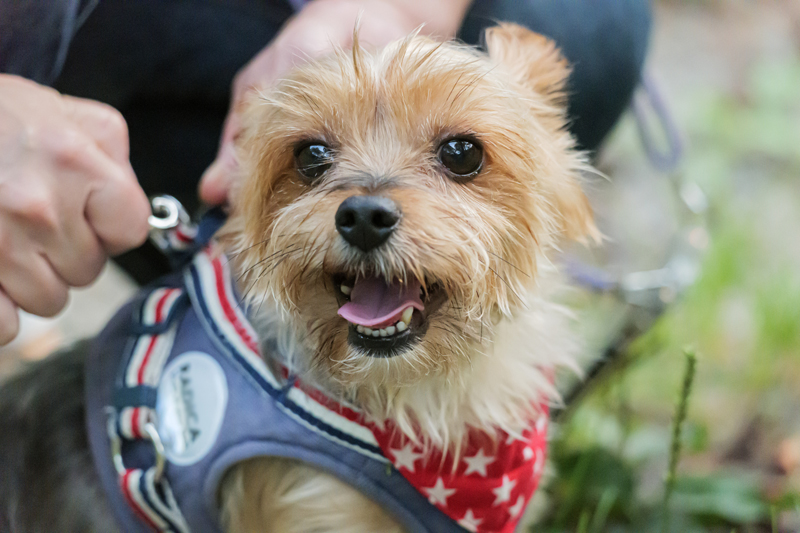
x=390 y=239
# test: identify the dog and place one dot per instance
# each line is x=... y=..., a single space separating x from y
x=389 y=246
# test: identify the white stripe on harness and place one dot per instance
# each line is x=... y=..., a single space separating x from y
x=214 y=275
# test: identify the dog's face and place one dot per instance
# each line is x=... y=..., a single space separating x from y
x=396 y=204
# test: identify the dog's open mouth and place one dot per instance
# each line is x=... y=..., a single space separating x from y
x=386 y=317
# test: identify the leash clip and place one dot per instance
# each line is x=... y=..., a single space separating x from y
x=171 y=227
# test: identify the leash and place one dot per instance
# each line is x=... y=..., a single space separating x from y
x=647 y=294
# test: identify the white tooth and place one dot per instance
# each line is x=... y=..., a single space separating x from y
x=401 y=326
x=367 y=331
x=360 y=329
x=345 y=290
x=383 y=333
x=376 y=333
x=390 y=330
x=407 y=315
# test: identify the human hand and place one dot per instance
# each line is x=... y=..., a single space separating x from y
x=68 y=197
x=318 y=28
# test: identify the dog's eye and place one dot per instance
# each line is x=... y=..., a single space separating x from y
x=462 y=157
x=313 y=160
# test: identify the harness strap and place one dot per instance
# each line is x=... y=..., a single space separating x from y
x=133 y=416
x=152 y=500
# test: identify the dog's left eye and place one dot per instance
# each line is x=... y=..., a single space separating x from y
x=313 y=160
x=461 y=157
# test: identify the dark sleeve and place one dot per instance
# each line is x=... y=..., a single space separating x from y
x=604 y=40
x=35 y=36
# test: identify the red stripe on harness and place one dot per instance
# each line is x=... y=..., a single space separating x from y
x=134 y=505
x=230 y=314
x=181 y=236
x=154 y=338
x=135 y=423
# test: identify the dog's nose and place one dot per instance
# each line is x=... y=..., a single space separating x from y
x=367 y=221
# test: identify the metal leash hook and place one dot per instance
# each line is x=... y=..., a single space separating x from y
x=647 y=294
x=167 y=212
x=171 y=227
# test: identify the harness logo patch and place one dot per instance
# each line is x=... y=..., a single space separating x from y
x=192 y=397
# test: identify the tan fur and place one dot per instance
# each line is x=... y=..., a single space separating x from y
x=287 y=496
x=490 y=350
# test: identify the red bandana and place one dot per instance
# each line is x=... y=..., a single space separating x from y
x=492 y=482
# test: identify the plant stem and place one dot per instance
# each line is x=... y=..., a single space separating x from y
x=677 y=426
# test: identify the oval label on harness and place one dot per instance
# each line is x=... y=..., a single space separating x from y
x=192 y=397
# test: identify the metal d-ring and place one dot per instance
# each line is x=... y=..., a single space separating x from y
x=116 y=442
x=116 y=446
x=158 y=447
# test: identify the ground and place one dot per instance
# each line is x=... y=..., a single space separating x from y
x=730 y=72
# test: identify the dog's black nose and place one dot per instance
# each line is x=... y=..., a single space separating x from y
x=367 y=221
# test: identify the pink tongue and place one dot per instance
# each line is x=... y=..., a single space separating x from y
x=373 y=302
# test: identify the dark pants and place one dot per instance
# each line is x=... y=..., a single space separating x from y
x=167 y=65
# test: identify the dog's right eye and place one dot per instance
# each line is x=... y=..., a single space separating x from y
x=313 y=160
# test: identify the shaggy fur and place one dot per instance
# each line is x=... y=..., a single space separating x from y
x=487 y=358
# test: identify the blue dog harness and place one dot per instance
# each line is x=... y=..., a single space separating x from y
x=180 y=365
x=178 y=392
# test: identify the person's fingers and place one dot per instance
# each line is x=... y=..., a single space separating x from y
x=33 y=285
x=103 y=124
x=9 y=319
x=216 y=181
x=77 y=253
x=116 y=208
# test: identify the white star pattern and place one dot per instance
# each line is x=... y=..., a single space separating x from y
x=516 y=509
x=438 y=493
x=527 y=453
x=405 y=457
x=503 y=492
x=469 y=522
x=477 y=463
x=541 y=425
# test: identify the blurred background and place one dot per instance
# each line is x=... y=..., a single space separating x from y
x=729 y=71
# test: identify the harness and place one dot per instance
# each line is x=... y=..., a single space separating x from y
x=178 y=392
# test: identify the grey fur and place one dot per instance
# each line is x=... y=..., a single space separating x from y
x=47 y=479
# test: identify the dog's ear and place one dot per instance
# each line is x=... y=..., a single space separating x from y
x=532 y=58
x=537 y=65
